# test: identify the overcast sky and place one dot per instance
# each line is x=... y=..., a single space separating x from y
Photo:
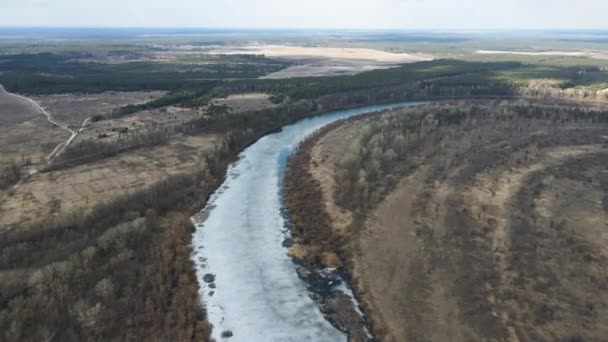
x=389 y=14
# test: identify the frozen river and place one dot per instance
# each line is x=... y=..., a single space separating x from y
x=248 y=282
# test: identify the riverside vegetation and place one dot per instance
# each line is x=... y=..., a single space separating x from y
x=468 y=221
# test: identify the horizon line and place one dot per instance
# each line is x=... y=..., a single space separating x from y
x=455 y=29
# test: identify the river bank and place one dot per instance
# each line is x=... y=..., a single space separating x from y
x=315 y=246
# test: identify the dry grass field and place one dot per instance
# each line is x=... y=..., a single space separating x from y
x=25 y=131
x=73 y=109
x=142 y=121
x=491 y=228
x=81 y=188
x=167 y=117
x=247 y=102
x=78 y=189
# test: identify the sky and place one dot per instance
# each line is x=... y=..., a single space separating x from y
x=332 y=14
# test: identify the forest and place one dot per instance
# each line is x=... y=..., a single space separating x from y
x=52 y=73
x=193 y=84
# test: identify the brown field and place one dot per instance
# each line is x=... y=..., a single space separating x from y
x=142 y=121
x=79 y=189
x=487 y=230
x=24 y=131
x=169 y=116
x=73 y=109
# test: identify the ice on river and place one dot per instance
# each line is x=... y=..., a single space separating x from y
x=248 y=283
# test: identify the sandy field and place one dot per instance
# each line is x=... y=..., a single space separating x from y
x=331 y=67
x=324 y=61
x=285 y=51
x=490 y=235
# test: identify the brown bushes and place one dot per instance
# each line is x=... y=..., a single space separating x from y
x=90 y=150
x=310 y=223
x=134 y=281
x=11 y=174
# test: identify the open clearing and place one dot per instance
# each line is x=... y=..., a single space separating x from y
x=245 y=102
x=496 y=230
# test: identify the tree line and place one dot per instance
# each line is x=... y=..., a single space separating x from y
x=392 y=143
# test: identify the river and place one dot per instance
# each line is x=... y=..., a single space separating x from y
x=247 y=281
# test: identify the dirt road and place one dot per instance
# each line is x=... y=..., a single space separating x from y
x=74 y=133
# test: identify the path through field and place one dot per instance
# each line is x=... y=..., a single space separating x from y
x=74 y=132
